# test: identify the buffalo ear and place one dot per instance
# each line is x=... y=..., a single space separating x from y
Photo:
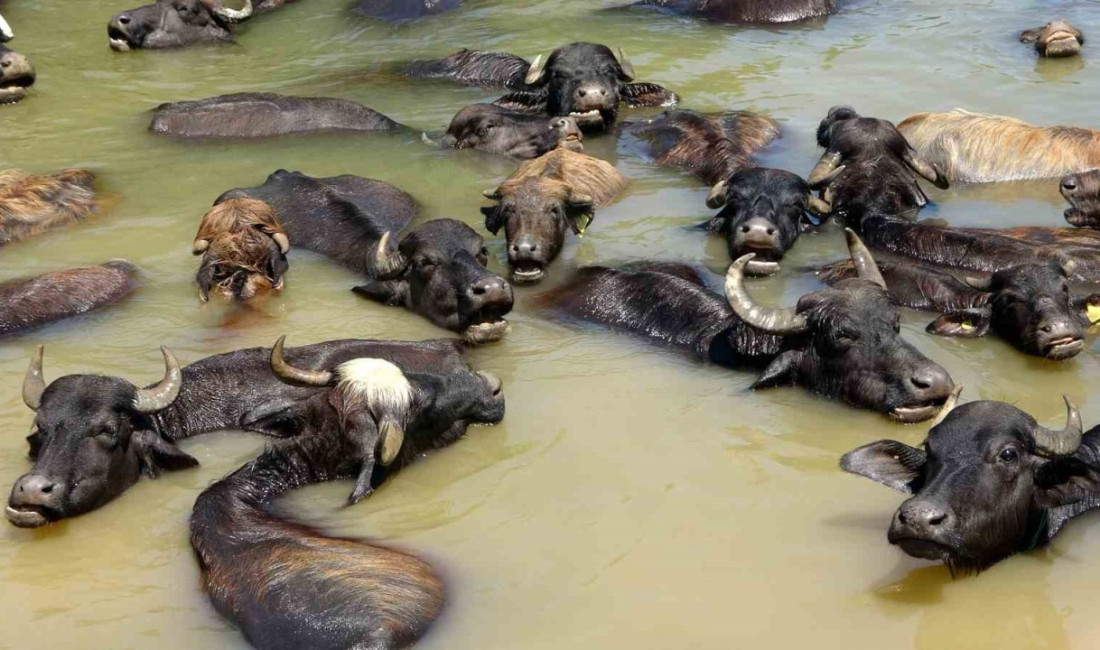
x=158 y=454
x=1064 y=481
x=780 y=372
x=1031 y=35
x=205 y=279
x=647 y=94
x=389 y=292
x=1090 y=308
x=961 y=324
x=35 y=441
x=277 y=266
x=579 y=212
x=494 y=219
x=719 y=223
x=892 y=463
x=278 y=418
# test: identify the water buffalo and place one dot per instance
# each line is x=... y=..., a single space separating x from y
x=474 y=68
x=243 y=250
x=988 y=482
x=261 y=115
x=32 y=203
x=1083 y=193
x=402 y=10
x=748 y=11
x=980 y=148
x=95 y=436
x=763 y=212
x=868 y=168
x=437 y=269
x=16 y=75
x=1055 y=39
x=517 y=134
x=177 y=23
x=841 y=342
x=289 y=586
x=712 y=147
x=33 y=302
x=1029 y=305
x=541 y=200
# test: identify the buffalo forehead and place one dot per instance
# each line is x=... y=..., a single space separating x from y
x=446 y=236
x=970 y=427
x=579 y=57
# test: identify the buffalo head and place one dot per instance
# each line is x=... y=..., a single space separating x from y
x=1083 y=193
x=16 y=75
x=93 y=438
x=1057 y=38
x=243 y=249
x=174 y=23
x=490 y=128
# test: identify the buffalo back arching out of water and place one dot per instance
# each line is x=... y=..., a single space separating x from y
x=1029 y=305
x=517 y=134
x=436 y=270
x=243 y=250
x=988 y=482
x=260 y=115
x=980 y=148
x=474 y=68
x=34 y=203
x=401 y=10
x=177 y=23
x=95 y=436
x=868 y=168
x=1057 y=38
x=749 y=11
x=542 y=199
x=763 y=212
x=34 y=302
x=712 y=147
x=288 y=586
x=16 y=75
x=842 y=342
x=1083 y=193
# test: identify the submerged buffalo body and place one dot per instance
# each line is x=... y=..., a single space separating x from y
x=543 y=199
x=243 y=250
x=34 y=302
x=1055 y=39
x=95 y=436
x=988 y=482
x=749 y=11
x=402 y=10
x=286 y=585
x=259 y=115
x=490 y=128
x=16 y=75
x=474 y=68
x=436 y=270
x=979 y=148
x=763 y=212
x=841 y=342
x=34 y=203
x=712 y=147
x=1083 y=193
x=177 y=23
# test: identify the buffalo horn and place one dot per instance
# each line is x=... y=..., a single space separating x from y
x=825 y=170
x=626 y=65
x=33 y=383
x=948 y=406
x=161 y=396
x=200 y=246
x=925 y=169
x=235 y=15
x=981 y=284
x=284 y=370
x=717 y=196
x=493 y=194
x=282 y=241
x=393 y=436
x=1056 y=444
x=5 y=31
x=820 y=207
x=534 y=73
x=866 y=268
x=768 y=319
x=385 y=262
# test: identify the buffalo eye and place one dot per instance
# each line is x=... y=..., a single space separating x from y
x=1008 y=456
x=847 y=337
x=424 y=263
x=108 y=438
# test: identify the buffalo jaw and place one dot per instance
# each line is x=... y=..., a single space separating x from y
x=26 y=517
x=917 y=413
x=488 y=331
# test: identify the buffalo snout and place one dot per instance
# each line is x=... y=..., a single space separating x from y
x=1059 y=338
x=923 y=528
x=490 y=291
x=31 y=497
x=759 y=236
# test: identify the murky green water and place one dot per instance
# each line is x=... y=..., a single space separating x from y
x=631 y=499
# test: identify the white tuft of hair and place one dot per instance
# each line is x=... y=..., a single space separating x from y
x=377 y=385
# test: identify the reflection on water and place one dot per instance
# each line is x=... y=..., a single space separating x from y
x=632 y=498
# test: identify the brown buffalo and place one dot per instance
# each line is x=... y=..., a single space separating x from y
x=34 y=302
x=31 y=203
x=243 y=249
x=1055 y=39
x=980 y=148
x=543 y=198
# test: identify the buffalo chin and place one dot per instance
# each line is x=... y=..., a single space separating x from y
x=527 y=274
x=488 y=331
x=925 y=549
x=1063 y=349
x=914 y=413
x=31 y=517
x=1063 y=44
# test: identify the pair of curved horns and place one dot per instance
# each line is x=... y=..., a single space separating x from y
x=785 y=321
x=1048 y=442
x=147 y=400
x=235 y=15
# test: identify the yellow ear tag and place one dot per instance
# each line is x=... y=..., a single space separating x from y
x=1093 y=312
x=966 y=325
x=581 y=223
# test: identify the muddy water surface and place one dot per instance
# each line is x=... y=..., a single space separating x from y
x=632 y=498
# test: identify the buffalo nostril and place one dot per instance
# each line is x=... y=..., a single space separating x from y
x=937 y=518
x=902 y=518
x=123 y=20
x=744 y=229
x=771 y=231
x=922 y=383
x=1047 y=329
x=480 y=290
x=582 y=92
x=5 y=62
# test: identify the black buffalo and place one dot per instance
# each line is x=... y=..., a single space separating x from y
x=1030 y=305
x=763 y=212
x=988 y=482
x=749 y=11
x=869 y=169
x=95 y=436
x=176 y=23
x=402 y=10
x=259 y=115
x=289 y=586
x=1083 y=193
x=842 y=342
x=16 y=75
x=490 y=128
x=437 y=269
